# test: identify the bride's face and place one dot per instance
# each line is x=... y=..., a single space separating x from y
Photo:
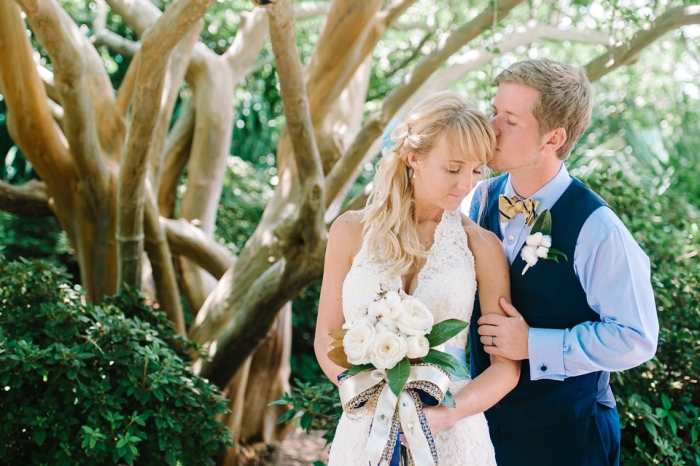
x=443 y=176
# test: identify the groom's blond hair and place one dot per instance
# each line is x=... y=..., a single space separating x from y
x=391 y=235
x=565 y=100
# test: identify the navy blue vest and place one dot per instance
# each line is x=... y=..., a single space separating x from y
x=549 y=295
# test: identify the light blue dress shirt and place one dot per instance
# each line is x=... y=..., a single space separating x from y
x=615 y=274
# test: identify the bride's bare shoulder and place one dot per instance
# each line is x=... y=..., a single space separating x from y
x=482 y=242
x=346 y=230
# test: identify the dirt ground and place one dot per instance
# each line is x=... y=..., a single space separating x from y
x=302 y=449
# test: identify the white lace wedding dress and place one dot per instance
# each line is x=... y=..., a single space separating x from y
x=446 y=285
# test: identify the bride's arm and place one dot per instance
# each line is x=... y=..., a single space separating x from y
x=344 y=241
x=501 y=377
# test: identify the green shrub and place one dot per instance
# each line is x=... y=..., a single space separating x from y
x=86 y=384
x=658 y=401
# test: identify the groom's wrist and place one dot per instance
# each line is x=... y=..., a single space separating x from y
x=546 y=353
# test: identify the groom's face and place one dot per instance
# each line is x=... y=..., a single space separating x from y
x=517 y=142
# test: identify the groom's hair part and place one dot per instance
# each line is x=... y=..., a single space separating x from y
x=389 y=225
x=565 y=100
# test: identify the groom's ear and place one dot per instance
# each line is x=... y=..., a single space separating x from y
x=553 y=140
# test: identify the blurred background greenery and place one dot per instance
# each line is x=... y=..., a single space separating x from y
x=640 y=153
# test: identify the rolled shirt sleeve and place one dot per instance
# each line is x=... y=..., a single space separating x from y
x=615 y=274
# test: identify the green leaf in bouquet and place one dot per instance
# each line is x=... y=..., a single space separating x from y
x=543 y=224
x=359 y=368
x=449 y=400
x=445 y=330
x=398 y=375
x=446 y=362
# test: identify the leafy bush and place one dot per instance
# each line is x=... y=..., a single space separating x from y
x=89 y=384
x=658 y=401
x=317 y=403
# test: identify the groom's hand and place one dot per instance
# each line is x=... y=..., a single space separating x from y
x=509 y=333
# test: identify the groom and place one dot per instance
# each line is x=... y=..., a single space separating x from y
x=577 y=319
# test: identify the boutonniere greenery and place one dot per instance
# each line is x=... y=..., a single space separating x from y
x=538 y=244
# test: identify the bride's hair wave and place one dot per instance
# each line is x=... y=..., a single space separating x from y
x=389 y=227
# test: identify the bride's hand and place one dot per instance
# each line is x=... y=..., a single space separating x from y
x=439 y=417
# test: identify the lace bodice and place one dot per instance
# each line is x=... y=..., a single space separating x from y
x=446 y=283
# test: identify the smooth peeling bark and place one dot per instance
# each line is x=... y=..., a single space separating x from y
x=163 y=36
x=176 y=73
x=28 y=200
x=286 y=250
x=29 y=119
x=189 y=241
x=210 y=80
x=158 y=250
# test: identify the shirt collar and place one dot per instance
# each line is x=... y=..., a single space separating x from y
x=548 y=194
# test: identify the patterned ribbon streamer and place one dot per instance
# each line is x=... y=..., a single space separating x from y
x=512 y=206
x=364 y=390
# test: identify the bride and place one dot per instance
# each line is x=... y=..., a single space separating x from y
x=412 y=237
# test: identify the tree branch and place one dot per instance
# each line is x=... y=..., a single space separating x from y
x=376 y=124
x=117 y=43
x=177 y=152
x=476 y=58
x=63 y=41
x=622 y=53
x=126 y=89
x=177 y=20
x=338 y=53
x=47 y=77
x=179 y=63
x=30 y=122
x=294 y=256
x=158 y=252
x=28 y=200
x=189 y=241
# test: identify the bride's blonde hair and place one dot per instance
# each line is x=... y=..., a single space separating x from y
x=389 y=226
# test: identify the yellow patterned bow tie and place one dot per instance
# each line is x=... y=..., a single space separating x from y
x=512 y=206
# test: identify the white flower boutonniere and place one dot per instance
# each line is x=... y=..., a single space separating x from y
x=538 y=244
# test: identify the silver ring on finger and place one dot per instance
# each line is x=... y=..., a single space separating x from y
x=493 y=340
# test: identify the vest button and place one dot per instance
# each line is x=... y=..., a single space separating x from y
x=511 y=238
x=543 y=368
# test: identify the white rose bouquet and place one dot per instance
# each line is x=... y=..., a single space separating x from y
x=388 y=332
x=389 y=343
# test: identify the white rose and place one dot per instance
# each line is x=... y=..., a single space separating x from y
x=387 y=350
x=364 y=302
x=379 y=308
x=534 y=239
x=358 y=342
x=546 y=241
x=416 y=318
x=542 y=251
x=529 y=255
x=417 y=347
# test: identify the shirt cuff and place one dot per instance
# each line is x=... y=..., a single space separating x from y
x=546 y=349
